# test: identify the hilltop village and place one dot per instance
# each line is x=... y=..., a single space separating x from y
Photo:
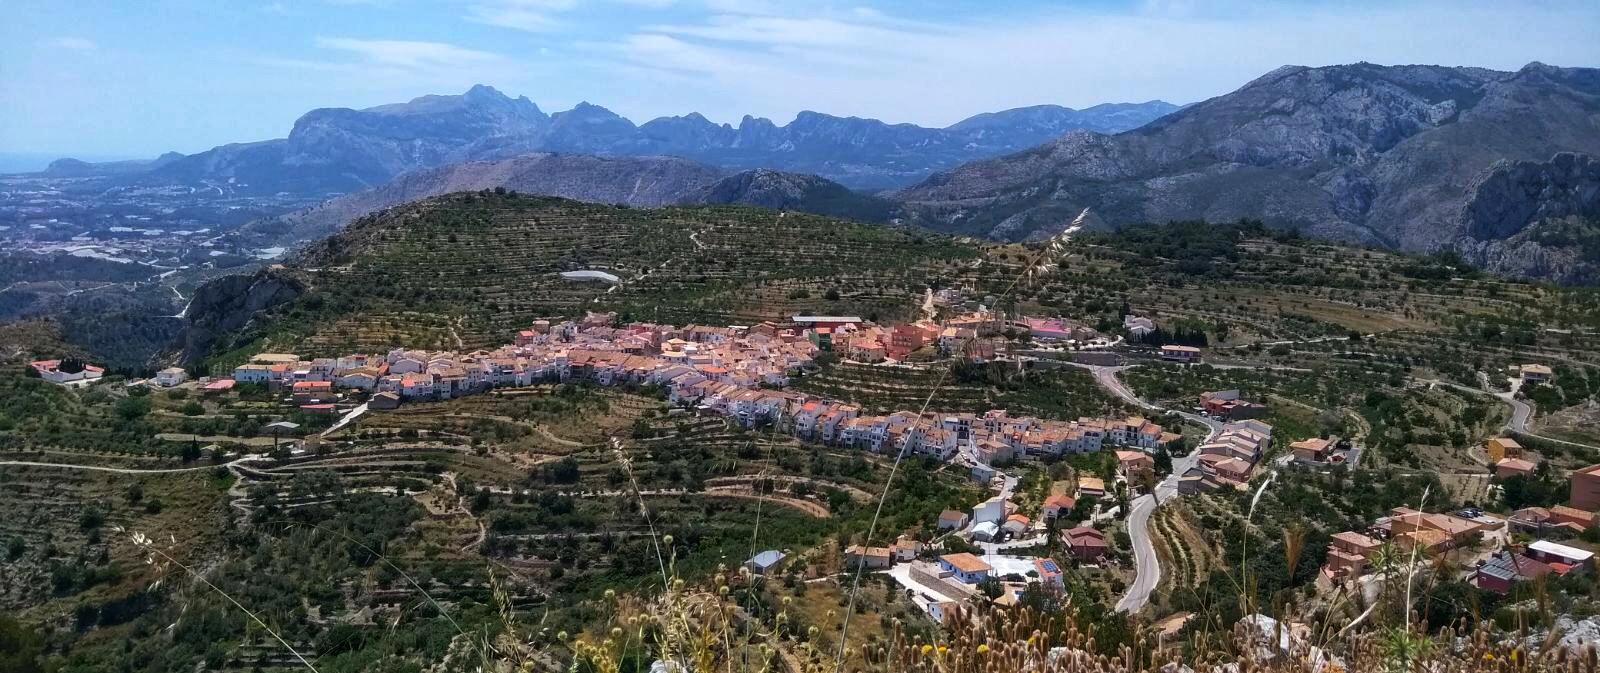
x=738 y=372
x=746 y=375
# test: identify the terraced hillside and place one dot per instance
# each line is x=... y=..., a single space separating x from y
x=1060 y=394
x=467 y=270
x=1244 y=284
x=559 y=491
x=520 y=508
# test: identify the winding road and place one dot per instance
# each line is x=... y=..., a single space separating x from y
x=1146 y=565
x=1521 y=411
x=125 y=470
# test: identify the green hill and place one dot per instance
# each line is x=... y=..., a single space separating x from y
x=468 y=270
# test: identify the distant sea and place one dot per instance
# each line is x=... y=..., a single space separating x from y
x=27 y=162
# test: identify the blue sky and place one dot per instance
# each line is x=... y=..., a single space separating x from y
x=100 y=78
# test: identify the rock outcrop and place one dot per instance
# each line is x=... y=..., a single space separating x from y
x=338 y=150
x=791 y=191
x=645 y=182
x=1417 y=158
x=225 y=308
x=1513 y=195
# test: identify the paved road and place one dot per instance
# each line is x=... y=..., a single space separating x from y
x=348 y=417
x=1146 y=565
x=1521 y=411
x=125 y=470
x=1107 y=378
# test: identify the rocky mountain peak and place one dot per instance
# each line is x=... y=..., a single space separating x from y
x=343 y=150
x=1417 y=157
x=484 y=92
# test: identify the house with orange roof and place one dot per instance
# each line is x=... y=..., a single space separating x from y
x=991 y=449
x=870 y=558
x=831 y=425
x=906 y=548
x=1499 y=448
x=1017 y=525
x=1091 y=487
x=1350 y=554
x=1225 y=467
x=952 y=519
x=417 y=386
x=1312 y=450
x=1585 y=488
x=66 y=372
x=1425 y=541
x=965 y=567
x=1513 y=467
x=1230 y=405
x=1057 y=505
x=1135 y=466
x=905 y=339
x=312 y=392
x=1086 y=544
x=1436 y=532
x=1571 y=519
x=1536 y=373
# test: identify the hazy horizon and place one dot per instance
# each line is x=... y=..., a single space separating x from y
x=136 y=81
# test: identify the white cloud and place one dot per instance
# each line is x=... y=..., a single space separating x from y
x=389 y=70
x=782 y=30
x=539 y=16
x=772 y=60
x=73 y=43
x=535 y=16
x=409 y=54
x=512 y=17
x=665 y=52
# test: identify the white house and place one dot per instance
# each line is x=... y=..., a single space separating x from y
x=1138 y=327
x=952 y=520
x=50 y=370
x=171 y=376
x=992 y=510
x=360 y=379
x=943 y=610
x=764 y=562
x=1017 y=525
x=986 y=531
x=965 y=567
x=1180 y=353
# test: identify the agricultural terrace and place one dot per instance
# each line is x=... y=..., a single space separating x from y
x=493 y=263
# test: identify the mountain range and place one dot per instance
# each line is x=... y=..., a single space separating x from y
x=339 y=150
x=647 y=182
x=1415 y=158
x=1497 y=166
